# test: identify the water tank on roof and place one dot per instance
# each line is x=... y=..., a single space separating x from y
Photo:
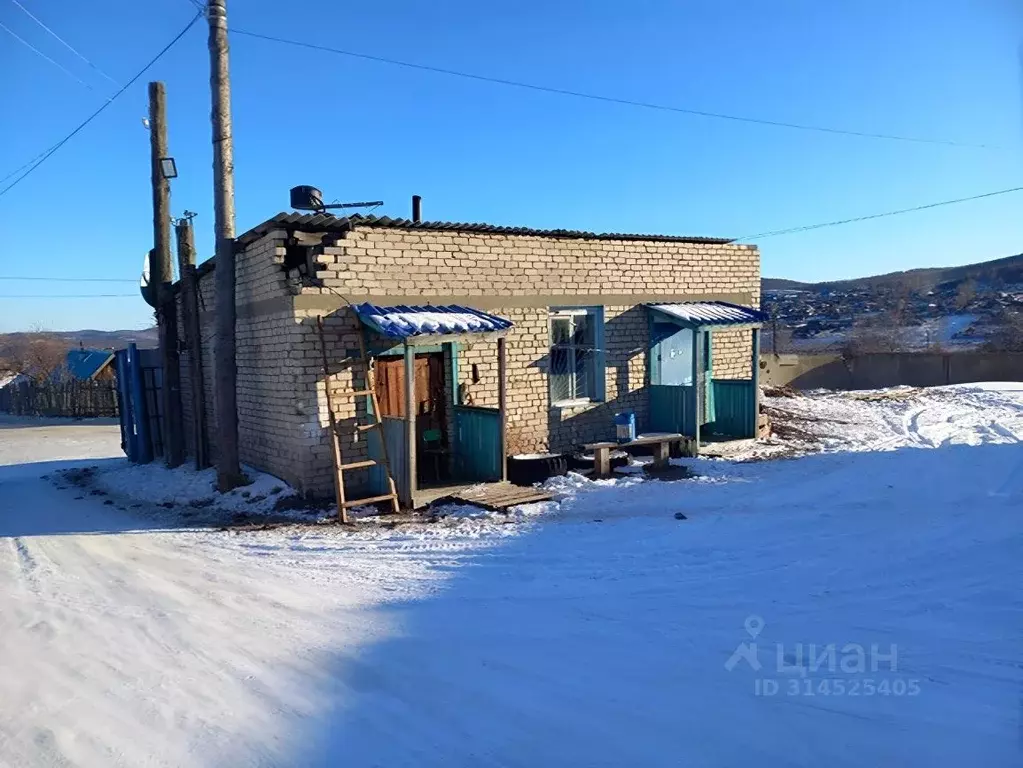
x=306 y=198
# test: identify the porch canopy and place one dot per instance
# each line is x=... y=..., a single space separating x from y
x=418 y=325
x=470 y=440
x=685 y=396
x=711 y=314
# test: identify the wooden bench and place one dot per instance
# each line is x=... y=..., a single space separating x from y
x=662 y=450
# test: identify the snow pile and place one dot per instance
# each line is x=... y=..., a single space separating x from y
x=155 y=484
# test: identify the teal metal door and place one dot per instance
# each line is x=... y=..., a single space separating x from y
x=673 y=350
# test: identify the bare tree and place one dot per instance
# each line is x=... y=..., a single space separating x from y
x=966 y=294
x=781 y=334
x=1008 y=336
x=884 y=332
x=34 y=354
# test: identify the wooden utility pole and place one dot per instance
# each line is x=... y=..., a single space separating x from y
x=229 y=473
x=163 y=275
x=193 y=337
x=160 y=268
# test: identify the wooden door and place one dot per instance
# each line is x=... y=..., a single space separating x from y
x=390 y=385
x=430 y=398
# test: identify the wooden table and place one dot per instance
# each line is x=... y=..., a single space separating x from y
x=661 y=444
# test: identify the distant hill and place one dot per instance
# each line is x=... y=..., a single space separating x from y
x=92 y=339
x=992 y=274
x=781 y=284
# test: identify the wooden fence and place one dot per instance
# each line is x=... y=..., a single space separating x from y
x=79 y=399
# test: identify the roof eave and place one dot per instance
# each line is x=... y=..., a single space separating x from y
x=327 y=223
x=426 y=339
x=709 y=323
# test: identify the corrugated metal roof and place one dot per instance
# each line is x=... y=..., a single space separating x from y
x=712 y=313
x=403 y=322
x=84 y=364
x=325 y=222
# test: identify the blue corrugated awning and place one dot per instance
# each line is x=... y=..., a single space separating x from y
x=711 y=313
x=405 y=322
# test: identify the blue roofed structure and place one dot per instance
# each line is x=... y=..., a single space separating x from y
x=87 y=364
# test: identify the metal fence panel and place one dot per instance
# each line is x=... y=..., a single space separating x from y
x=477 y=449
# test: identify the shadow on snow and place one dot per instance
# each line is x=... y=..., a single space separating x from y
x=604 y=643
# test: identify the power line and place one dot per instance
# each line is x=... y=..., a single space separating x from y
x=613 y=99
x=791 y=230
x=70 y=279
x=69 y=296
x=49 y=153
x=20 y=168
x=59 y=66
x=64 y=42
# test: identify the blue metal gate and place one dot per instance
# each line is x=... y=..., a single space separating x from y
x=139 y=381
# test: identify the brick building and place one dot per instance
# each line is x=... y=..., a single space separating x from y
x=587 y=314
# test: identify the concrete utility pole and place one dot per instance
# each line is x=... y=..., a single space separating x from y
x=193 y=336
x=162 y=277
x=229 y=473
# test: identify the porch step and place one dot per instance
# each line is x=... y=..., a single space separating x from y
x=370 y=500
x=494 y=496
x=359 y=464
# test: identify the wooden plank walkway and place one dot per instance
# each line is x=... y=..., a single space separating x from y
x=497 y=497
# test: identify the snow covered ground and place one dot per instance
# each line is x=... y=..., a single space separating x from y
x=903 y=417
x=601 y=632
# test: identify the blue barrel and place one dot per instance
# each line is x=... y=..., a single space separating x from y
x=625 y=426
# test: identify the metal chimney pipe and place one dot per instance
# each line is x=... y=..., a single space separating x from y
x=417 y=209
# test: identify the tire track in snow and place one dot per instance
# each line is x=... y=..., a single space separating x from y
x=911 y=428
x=30 y=576
x=25 y=565
x=952 y=417
x=893 y=419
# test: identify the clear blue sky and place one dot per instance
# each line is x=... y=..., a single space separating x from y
x=947 y=69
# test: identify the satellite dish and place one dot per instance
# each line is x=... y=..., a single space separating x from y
x=147 y=289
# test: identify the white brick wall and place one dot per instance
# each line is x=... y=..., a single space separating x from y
x=281 y=394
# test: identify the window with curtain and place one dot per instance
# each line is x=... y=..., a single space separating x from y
x=577 y=355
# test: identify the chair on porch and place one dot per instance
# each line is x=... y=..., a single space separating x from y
x=432 y=447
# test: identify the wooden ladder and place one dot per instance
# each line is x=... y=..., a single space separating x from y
x=340 y=467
